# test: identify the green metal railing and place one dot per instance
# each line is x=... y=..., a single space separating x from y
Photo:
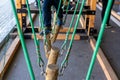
x=99 y=40
x=27 y=59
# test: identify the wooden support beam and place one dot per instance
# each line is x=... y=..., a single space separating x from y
x=4 y=63
x=104 y=63
x=52 y=72
x=18 y=6
x=87 y=16
x=62 y=30
x=61 y=37
x=23 y=14
x=92 y=17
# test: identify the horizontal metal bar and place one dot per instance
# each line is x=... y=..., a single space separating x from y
x=85 y=12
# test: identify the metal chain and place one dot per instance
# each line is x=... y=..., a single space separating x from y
x=70 y=45
x=36 y=41
x=70 y=26
x=64 y=21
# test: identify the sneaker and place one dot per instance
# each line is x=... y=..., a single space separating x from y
x=108 y=26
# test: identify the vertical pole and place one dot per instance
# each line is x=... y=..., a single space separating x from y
x=27 y=59
x=99 y=40
x=23 y=14
x=91 y=17
x=52 y=68
x=86 y=24
x=18 y=6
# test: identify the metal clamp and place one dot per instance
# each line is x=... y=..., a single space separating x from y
x=63 y=68
x=42 y=69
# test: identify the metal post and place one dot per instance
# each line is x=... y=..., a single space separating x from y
x=27 y=59
x=99 y=40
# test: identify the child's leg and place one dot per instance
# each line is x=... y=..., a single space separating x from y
x=59 y=20
x=47 y=13
x=60 y=14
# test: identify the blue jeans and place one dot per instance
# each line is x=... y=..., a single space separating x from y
x=47 y=12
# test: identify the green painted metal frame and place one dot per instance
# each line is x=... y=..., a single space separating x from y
x=103 y=25
x=27 y=59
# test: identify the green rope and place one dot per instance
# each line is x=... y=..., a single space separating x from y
x=60 y=2
x=27 y=59
x=73 y=35
x=64 y=3
x=45 y=41
x=71 y=23
x=66 y=11
x=40 y=15
x=34 y=34
x=107 y=12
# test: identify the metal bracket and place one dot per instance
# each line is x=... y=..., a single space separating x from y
x=23 y=21
x=93 y=31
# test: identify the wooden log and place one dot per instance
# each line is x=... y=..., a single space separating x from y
x=47 y=45
x=59 y=37
x=52 y=72
x=62 y=37
x=53 y=56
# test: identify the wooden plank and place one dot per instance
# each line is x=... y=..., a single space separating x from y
x=61 y=36
x=62 y=30
x=105 y=65
x=87 y=16
x=9 y=56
